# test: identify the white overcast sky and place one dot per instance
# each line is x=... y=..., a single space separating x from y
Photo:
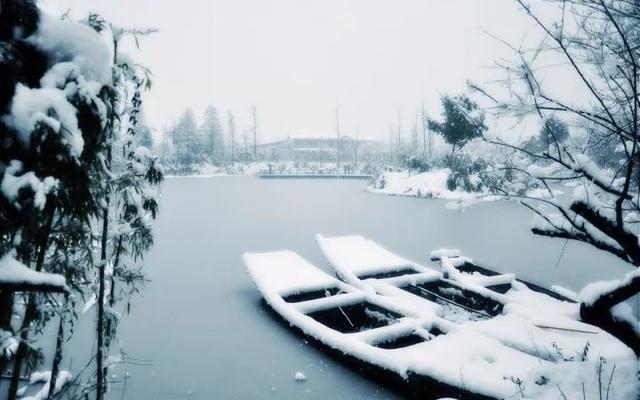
x=295 y=59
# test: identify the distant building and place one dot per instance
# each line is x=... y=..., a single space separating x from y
x=319 y=149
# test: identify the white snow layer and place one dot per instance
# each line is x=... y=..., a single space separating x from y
x=356 y=255
x=13 y=182
x=533 y=348
x=80 y=64
x=66 y=40
x=431 y=184
x=14 y=272
x=438 y=254
x=595 y=290
x=31 y=106
x=45 y=376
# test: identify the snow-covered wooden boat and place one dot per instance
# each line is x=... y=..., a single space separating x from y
x=517 y=314
x=404 y=341
x=459 y=285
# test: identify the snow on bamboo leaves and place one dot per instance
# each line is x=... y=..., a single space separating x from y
x=70 y=162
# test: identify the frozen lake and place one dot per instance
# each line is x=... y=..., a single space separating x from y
x=200 y=325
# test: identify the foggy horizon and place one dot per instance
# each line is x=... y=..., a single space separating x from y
x=296 y=62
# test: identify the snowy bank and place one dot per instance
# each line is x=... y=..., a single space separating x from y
x=206 y=170
x=431 y=184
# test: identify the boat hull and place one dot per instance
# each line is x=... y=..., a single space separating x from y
x=414 y=387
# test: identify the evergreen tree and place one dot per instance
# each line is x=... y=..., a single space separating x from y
x=144 y=137
x=553 y=132
x=211 y=132
x=187 y=143
x=231 y=123
x=462 y=121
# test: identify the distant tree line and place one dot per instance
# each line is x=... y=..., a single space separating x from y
x=187 y=144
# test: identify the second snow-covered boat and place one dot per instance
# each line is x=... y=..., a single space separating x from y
x=457 y=338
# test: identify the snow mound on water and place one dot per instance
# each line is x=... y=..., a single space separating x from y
x=300 y=377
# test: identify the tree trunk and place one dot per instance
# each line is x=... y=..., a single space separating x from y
x=599 y=313
x=100 y=329
x=112 y=300
x=57 y=358
x=6 y=310
x=30 y=311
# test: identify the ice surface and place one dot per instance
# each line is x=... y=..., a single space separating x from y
x=199 y=247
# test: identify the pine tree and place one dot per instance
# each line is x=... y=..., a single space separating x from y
x=461 y=123
x=186 y=140
x=144 y=137
x=211 y=132
x=231 y=124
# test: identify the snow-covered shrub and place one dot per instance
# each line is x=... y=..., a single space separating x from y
x=471 y=175
x=380 y=182
x=418 y=164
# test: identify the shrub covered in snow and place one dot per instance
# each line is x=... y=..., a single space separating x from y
x=471 y=175
x=418 y=164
